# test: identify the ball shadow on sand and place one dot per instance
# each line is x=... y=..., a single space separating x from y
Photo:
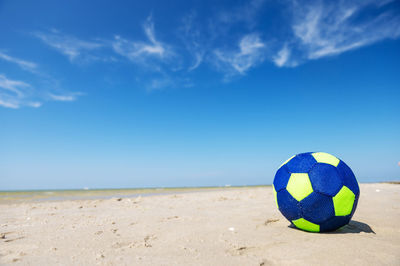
x=354 y=227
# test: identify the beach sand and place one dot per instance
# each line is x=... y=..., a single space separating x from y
x=239 y=226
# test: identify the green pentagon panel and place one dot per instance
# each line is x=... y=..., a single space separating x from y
x=343 y=201
x=287 y=161
x=306 y=225
x=323 y=157
x=276 y=199
x=299 y=186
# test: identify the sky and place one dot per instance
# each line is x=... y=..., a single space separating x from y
x=122 y=94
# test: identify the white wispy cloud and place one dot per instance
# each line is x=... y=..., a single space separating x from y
x=137 y=51
x=34 y=104
x=69 y=45
x=201 y=36
x=282 y=56
x=13 y=93
x=166 y=81
x=26 y=65
x=250 y=52
x=13 y=86
x=316 y=29
x=17 y=93
x=8 y=103
x=65 y=97
x=154 y=56
x=192 y=35
x=324 y=28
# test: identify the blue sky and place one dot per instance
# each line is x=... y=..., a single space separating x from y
x=187 y=93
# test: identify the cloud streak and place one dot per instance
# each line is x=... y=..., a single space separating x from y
x=26 y=65
x=153 y=56
x=282 y=57
x=64 y=97
x=192 y=35
x=14 y=93
x=323 y=28
x=17 y=93
x=137 y=51
x=250 y=52
x=68 y=45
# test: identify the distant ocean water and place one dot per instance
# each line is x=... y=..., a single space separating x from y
x=86 y=193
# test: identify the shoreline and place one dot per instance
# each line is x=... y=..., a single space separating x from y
x=93 y=194
x=19 y=196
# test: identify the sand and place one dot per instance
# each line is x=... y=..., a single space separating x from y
x=220 y=227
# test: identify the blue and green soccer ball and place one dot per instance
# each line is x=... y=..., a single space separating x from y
x=316 y=192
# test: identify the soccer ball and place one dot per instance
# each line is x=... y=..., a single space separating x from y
x=316 y=192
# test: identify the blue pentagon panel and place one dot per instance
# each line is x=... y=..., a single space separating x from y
x=288 y=205
x=325 y=179
x=281 y=178
x=317 y=208
x=334 y=223
x=301 y=163
x=348 y=178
